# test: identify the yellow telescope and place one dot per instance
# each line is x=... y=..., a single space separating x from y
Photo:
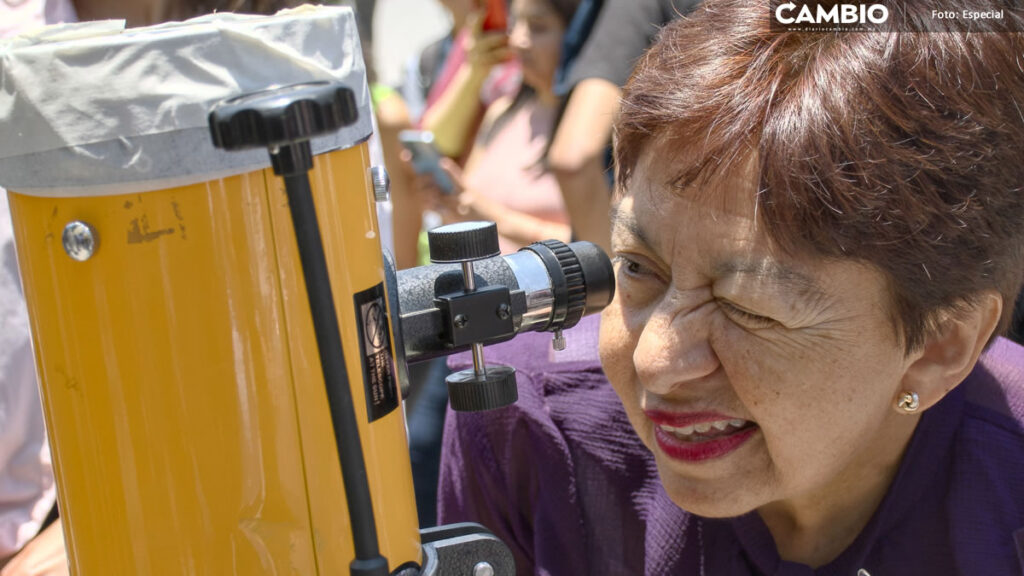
x=220 y=340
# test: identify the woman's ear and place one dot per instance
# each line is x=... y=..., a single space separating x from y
x=950 y=353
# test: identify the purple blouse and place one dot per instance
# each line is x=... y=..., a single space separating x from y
x=561 y=477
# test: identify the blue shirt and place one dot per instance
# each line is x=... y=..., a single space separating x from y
x=562 y=478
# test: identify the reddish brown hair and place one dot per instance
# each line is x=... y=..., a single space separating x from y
x=903 y=149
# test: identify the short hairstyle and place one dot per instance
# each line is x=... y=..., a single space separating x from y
x=901 y=148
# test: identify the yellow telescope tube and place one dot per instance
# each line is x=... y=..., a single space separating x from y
x=180 y=377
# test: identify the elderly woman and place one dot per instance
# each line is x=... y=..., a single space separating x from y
x=819 y=238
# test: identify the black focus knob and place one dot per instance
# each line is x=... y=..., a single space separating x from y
x=463 y=242
x=281 y=116
x=469 y=391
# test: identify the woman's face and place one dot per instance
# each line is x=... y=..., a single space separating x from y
x=755 y=378
x=536 y=37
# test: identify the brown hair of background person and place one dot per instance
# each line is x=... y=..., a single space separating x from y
x=921 y=176
x=193 y=7
x=147 y=12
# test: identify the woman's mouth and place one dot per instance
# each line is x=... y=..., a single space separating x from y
x=706 y=430
x=696 y=438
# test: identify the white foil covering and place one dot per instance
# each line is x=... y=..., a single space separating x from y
x=94 y=109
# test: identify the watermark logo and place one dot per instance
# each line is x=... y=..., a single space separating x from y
x=975 y=16
x=827 y=16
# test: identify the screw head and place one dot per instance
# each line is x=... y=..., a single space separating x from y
x=381 y=183
x=80 y=240
x=483 y=569
x=504 y=312
x=558 y=342
x=460 y=321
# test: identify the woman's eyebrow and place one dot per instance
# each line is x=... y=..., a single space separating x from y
x=625 y=221
x=777 y=274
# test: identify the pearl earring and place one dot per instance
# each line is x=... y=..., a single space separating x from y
x=908 y=402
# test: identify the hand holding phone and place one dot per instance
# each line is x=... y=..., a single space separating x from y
x=425 y=157
x=497 y=16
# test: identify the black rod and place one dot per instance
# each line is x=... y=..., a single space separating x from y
x=368 y=560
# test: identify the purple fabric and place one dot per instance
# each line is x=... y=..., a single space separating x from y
x=563 y=480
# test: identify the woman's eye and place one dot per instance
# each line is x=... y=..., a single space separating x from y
x=746 y=318
x=632 y=267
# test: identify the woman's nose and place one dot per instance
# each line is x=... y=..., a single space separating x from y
x=674 y=347
x=518 y=37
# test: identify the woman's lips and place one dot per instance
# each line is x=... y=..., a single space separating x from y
x=699 y=436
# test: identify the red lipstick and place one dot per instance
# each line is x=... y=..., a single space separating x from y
x=697 y=447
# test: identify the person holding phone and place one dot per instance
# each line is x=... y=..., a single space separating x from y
x=461 y=75
x=505 y=178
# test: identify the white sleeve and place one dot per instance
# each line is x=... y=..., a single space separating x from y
x=27 y=490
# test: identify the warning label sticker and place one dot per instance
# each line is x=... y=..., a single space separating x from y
x=375 y=350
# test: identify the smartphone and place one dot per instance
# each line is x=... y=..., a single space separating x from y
x=497 y=15
x=425 y=157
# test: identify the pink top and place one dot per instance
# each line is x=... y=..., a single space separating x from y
x=17 y=16
x=508 y=171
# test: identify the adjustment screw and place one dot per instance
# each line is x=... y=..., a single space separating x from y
x=381 y=183
x=558 y=343
x=504 y=312
x=80 y=240
x=483 y=569
x=461 y=321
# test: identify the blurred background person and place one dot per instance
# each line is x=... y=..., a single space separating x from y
x=444 y=89
x=31 y=542
x=454 y=76
x=503 y=148
x=506 y=179
x=476 y=70
x=148 y=12
x=18 y=16
x=611 y=35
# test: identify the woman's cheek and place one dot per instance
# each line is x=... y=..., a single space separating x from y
x=741 y=354
x=616 y=344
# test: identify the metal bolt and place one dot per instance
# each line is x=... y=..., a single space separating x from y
x=483 y=569
x=80 y=240
x=504 y=312
x=558 y=343
x=461 y=321
x=381 y=183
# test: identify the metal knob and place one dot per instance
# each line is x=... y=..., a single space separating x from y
x=471 y=391
x=482 y=387
x=463 y=242
x=282 y=115
x=283 y=120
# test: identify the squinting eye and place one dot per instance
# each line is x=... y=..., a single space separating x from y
x=746 y=318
